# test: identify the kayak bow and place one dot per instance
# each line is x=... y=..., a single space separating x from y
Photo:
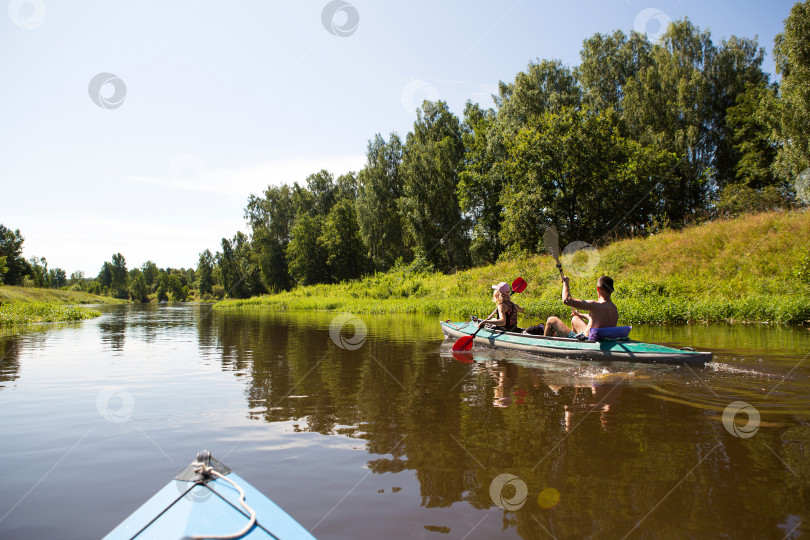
x=208 y=500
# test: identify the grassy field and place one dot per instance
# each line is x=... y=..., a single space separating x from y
x=37 y=312
x=751 y=269
x=10 y=294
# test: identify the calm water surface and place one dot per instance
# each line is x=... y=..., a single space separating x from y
x=387 y=435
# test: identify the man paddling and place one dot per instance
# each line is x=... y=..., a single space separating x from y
x=603 y=312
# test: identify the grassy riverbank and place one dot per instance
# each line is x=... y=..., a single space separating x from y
x=37 y=312
x=10 y=294
x=750 y=269
x=26 y=305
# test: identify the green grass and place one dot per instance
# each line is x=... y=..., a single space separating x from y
x=749 y=269
x=37 y=312
x=10 y=294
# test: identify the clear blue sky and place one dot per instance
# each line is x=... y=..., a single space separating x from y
x=222 y=99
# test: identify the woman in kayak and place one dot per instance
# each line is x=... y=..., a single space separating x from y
x=603 y=312
x=506 y=310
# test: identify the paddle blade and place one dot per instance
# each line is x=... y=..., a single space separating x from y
x=519 y=285
x=463 y=357
x=551 y=241
x=464 y=343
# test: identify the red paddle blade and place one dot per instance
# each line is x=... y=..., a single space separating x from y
x=464 y=343
x=463 y=357
x=519 y=285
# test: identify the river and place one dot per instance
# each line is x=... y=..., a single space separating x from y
x=367 y=427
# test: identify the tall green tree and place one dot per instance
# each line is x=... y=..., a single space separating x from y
x=178 y=291
x=545 y=86
x=303 y=200
x=346 y=187
x=575 y=169
x=481 y=181
x=736 y=65
x=431 y=163
x=751 y=137
x=162 y=291
x=668 y=104
x=57 y=278
x=380 y=187
x=150 y=272
x=271 y=220
x=305 y=253
x=240 y=274
x=138 y=290
x=120 y=281
x=11 y=248
x=792 y=110
x=77 y=278
x=205 y=267
x=608 y=62
x=105 y=275
x=322 y=187
x=39 y=271
x=340 y=238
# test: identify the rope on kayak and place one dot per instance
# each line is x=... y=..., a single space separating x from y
x=207 y=470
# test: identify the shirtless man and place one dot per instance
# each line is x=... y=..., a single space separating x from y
x=603 y=312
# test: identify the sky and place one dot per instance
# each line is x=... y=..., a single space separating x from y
x=143 y=127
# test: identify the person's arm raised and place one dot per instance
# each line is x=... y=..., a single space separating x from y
x=566 y=292
x=569 y=300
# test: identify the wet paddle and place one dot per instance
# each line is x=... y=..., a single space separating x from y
x=465 y=343
x=464 y=357
x=551 y=240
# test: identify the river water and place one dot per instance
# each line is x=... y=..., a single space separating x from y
x=374 y=430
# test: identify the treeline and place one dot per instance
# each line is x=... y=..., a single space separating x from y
x=16 y=270
x=640 y=136
x=147 y=282
x=114 y=279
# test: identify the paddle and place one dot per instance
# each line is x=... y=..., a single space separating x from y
x=551 y=240
x=464 y=357
x=465 y=343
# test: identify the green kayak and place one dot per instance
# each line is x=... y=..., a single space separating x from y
x=626 y=350
x=208 y=500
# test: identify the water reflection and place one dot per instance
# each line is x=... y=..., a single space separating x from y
x=611 y=441
x=603 y=449
x=9 y=358
x=113 y=327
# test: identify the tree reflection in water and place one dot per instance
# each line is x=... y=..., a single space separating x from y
x=596 y=446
